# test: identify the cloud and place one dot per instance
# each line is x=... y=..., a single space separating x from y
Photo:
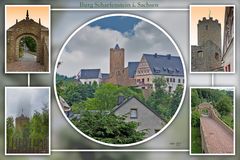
x=26 y=100
x=89 y=48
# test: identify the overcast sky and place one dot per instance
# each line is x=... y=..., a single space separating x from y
x=26 y=99
x=90 y=47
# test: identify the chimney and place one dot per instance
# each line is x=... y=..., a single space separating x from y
x=120 y=99
x=168 y=56
x=39 y=21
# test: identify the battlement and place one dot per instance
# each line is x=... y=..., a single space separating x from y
x=209 y=20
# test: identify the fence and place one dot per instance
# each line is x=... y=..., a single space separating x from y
x=27 y=145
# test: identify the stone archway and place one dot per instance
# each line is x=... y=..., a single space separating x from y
x=38 y=43
x=28 y=27
x=206 y=109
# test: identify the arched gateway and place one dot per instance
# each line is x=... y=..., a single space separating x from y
x=39 y=33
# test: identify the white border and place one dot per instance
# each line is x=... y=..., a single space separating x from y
x=146 y=20
x=190 y=37
x=49 y=41
x=120 y=150
x=119 y=9
x=190 y=122
x=49 y=116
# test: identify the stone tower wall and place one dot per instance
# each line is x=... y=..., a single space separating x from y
x=209 y=29
x=116 y=60
x=21 y=122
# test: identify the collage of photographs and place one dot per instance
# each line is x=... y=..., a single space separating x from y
x=123 y=86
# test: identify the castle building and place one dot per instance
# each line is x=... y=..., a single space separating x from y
x=138 y=74
x=228 y=40
x=206 y=56
x=118 y=73
x=21 y=122
x=152 y=66
x=89 y=76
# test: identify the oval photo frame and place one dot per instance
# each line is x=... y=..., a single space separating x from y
x=184 y=86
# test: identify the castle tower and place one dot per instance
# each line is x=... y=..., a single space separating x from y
x=209 y=29
x=116 y=59
x=21 y=122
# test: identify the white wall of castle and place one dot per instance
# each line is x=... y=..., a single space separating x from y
x=90 y=81
x=146 y=81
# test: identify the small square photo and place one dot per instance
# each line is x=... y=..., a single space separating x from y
x=212 y=38
x=27 y=121
x=212 y=123
x=27 y=38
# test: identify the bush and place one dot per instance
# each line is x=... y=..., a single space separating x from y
x=195 y=119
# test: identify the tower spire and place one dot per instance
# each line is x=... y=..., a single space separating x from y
x=209 y=14
x=39 y=21
x=27 y=15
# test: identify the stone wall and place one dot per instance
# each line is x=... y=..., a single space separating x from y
x=209 y=29
x=28 y=27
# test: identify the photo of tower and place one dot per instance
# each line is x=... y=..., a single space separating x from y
x=27 y=123
x=212 y=38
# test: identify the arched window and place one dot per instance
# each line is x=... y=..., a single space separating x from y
x=217 y=56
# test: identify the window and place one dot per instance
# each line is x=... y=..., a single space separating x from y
x=133 y=113
x=170 y=79
x=200 y=53
x=143 y=80
x=206 y=27
x=227 y=68
x=170 y=89
x=179 y=80
x=148 y=79
x=217 y=56
x=173 y=79
x=167 y=79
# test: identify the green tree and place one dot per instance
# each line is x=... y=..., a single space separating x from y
x=30 y=43
x=74 y=92
x=106 y=96
x=108 y=128
x=36 y=126
x=10 y=129
x=160 y=83
x=176 y=99
x=195 y=100
x=160 y=99
x=195 y=118
x=224 y=105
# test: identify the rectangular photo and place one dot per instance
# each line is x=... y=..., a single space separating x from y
x=212 y=38
x=212 y=121
x=27 y=121
x=27 y=39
